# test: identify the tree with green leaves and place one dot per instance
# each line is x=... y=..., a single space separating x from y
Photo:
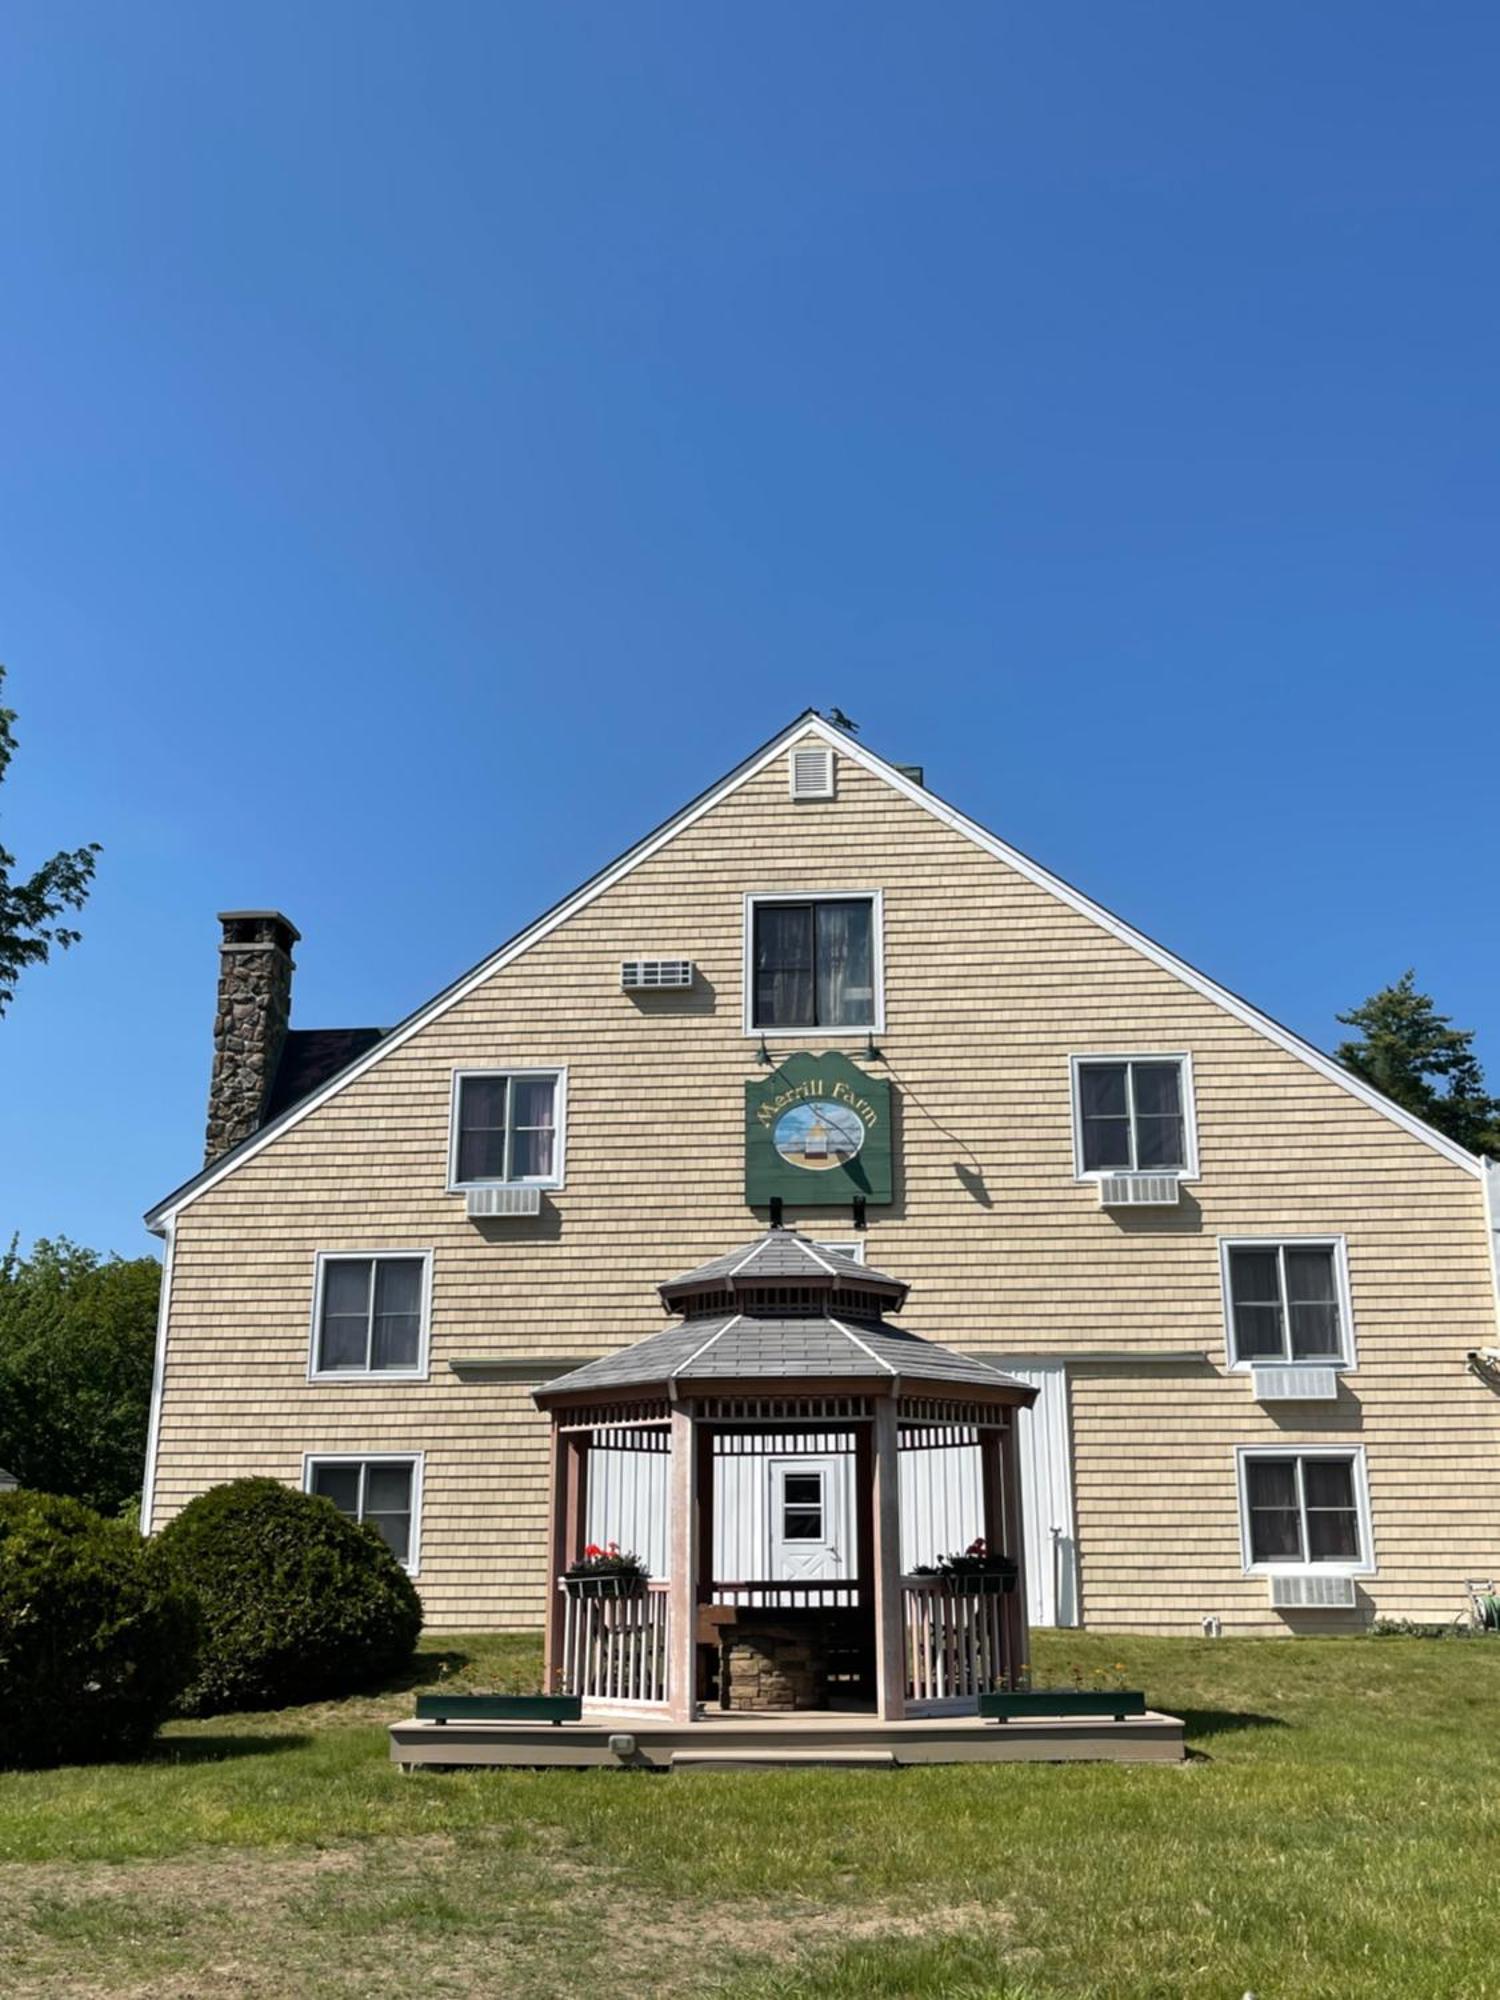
x=1416 y=1056
x=29 y=909
x=77 y=1347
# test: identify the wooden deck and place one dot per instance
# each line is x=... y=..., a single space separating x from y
x=740 y=1742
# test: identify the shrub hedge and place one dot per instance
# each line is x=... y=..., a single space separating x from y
x=96 y=1641
x=298 y=1602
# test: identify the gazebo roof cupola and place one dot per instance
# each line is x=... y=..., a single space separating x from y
x=783 y=1272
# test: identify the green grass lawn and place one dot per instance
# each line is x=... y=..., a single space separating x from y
x=1336 y=1833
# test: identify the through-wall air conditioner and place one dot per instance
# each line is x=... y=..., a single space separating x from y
x=1294 y=1382
x=812 y=773
x=1138 y=1191
x=655 y=975
x=1312 y=1593
x=487 y=1204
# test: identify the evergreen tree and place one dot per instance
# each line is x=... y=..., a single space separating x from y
x=1416 y=1056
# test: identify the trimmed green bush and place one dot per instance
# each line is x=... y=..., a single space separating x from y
x=298 y=1602
x=96 y=1641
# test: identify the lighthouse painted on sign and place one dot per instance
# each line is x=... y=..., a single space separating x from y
x=817 y=1131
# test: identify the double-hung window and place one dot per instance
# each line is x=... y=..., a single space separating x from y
x=507 y=1128
x=1304 y=1509
x=370 y=1315
x=384 y=1491
x=1288 y=1301
x=814 y=962
x=1134 y=1114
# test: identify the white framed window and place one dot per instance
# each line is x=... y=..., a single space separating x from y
x=383 y=1488
x=1286 y=1299
x=1134 y=1114
x=508 y=1128
x=848 y=1246
x=802 y=1502
x=371 y=1315
x=1307 y=1509
x=814 y=962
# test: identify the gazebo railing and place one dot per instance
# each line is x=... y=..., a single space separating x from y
x=791 y=1594
x=614 y=1649
x=955 y=1640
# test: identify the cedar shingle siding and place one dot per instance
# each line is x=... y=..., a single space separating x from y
x=991 y=984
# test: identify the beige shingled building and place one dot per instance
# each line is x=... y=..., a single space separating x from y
x=1246 y=1288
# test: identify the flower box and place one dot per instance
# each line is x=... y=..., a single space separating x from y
x=1014 y=1707
x=979 y=1582
x=606 y=1583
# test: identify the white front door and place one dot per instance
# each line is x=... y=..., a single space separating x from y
x=1045 y=1437
x=809 y=1528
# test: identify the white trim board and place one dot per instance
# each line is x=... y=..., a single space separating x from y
x=804 y=725
x=158 y=1378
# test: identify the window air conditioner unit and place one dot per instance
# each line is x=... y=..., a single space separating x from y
x=1312 y=1593
x=812 y=774
x=655 y=975
x=1138 y=1191
x=490 y=1203
x=1294 y=1383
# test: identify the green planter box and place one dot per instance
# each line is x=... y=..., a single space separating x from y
x=608 y=1583
x=1061 y=1701
x=499 y=1708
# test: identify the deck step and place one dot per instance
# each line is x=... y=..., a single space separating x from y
x=729 y=1759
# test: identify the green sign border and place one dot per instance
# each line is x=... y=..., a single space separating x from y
x=804 y=1078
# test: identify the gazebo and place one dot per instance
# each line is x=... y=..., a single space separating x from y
x=782 y=1353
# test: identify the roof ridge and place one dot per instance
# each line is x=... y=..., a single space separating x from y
x=863 y=1346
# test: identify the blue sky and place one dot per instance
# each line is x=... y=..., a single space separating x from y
x=437 y=442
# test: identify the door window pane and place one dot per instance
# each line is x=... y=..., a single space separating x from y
x=802 y=1506
x=1275 y=1519
x=345 y=1334
x=1104 y=1095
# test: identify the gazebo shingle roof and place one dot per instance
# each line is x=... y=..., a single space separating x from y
x=847 y=1341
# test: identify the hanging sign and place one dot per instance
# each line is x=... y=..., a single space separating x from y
x=817 y=1131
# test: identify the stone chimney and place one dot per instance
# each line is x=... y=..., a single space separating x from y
x=255 y=1004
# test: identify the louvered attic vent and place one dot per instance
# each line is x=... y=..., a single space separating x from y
x=1294 y=1382
x=812 y=773
x=492 y=1203
x=1138 y=1191
x=655 y=975
x=1312 y=1593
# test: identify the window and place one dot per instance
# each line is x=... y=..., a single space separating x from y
x=802 y=1507
x=1288 y=1301
x=370 y=1315
x=507 y=1126
x=1134 y=1114
x=386 y=1492
x=848 y=1246
x=813 y=962
x=1304 y=1509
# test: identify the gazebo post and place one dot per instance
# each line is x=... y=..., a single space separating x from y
x=567 y=1504
x=890 y=1629
x=682 y=1594
x=1017 y=1627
